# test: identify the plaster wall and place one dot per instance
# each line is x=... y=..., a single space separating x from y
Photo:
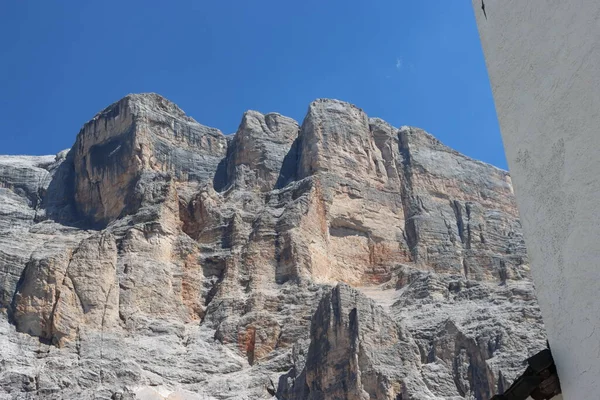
x=543 y=59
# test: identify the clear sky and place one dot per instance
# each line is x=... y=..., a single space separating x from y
x=409 y=62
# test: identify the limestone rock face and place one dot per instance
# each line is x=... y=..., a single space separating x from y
x=138 y=133
x=258 y=150
x=357 y=352
x=342 y=258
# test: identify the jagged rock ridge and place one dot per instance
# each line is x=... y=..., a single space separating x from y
x=158 y=257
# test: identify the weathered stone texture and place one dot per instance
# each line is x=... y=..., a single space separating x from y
x=160 y=259
x=139 y=132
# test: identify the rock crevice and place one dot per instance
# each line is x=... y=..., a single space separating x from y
x=337 y=258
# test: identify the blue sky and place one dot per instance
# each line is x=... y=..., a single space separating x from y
x=406 y=61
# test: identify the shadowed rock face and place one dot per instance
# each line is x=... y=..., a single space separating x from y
x=342 y=258
x=138 y=133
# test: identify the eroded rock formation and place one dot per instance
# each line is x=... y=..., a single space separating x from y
x=338 y=259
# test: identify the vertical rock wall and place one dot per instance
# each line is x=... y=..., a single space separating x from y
x=160 y=258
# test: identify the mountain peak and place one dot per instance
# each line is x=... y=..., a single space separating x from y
x=203 y=265
x=140 y=102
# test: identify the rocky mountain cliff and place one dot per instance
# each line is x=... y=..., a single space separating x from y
x=342 y=258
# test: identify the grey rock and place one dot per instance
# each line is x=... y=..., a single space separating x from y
x=138 y=133
x=258 y=149
x=343 y=258
x=357 y=352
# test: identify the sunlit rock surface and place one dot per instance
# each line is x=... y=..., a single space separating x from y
x=342 y=258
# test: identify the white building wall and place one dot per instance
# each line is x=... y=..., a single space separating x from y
x=543 y=59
